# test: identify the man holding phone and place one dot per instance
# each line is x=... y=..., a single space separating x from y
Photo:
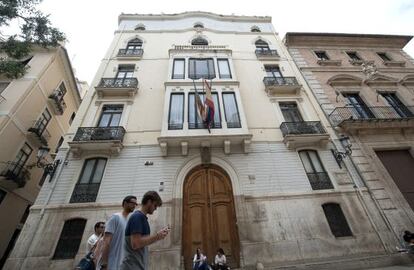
x=138 y=235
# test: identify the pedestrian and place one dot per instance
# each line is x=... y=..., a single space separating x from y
x=199 y=261
x=99 y=229
x=138 y=235
x=113 y=240
x=220 y=260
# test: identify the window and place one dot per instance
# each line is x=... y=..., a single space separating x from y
x=262 y=45
x=224 y=68
x=315 y=171
x=42 y=122
x=273 y=71
x=255 y=29
x=400 y=110
x=134 y=44
x=89 y=181
x=201 y=68
x=21 y=159
x=231 y=110
x=178 y=69
x=125 y=73
x=359 y=109
x=353 y=56
x=336 y=220
x=384 y=56
x=290 y=112
x=199 y=41
x=70 y=239
x=194 y=120
x=59 y=144
x=111 y=116
x=3 y=86
x=176 y=114
x=71 y=118
x=322 y=55
x=61 y=91
x=2 y=195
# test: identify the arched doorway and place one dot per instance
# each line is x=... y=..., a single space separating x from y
x=209 y=217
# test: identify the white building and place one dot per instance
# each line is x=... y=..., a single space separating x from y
x=263 y=185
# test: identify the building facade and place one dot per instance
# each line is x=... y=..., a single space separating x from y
x=262 y=183
x=364 y=83
x=35 y=111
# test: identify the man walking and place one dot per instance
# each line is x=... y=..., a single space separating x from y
x=112 y=251
x=138 y=236
x=99 y=229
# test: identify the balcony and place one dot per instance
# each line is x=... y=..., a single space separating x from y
x=130 y=53
x=306 y=133
x=38 y=137
x=267 y=54
x=281 y=85
x=57 y=103
x=363 y=117
x=117 y=87
x=100 y=139
x=12 y=175
x=84 y=193
x=320 y=181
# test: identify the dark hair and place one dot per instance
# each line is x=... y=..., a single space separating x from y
x=98 y=224
x=127 y=199
x=151 y=196
x=221 y=251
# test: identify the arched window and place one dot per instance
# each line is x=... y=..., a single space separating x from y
x=315 y=171
x=70 y=239
x=262 y=46
x=134 y=44
x=336 y=220
x=198 y=25
x=89 y=181
x=199 y=41
x=255 y=29
x=140 y=27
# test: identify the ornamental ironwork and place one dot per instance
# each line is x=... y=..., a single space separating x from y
x=85 y=192
x=118 y=83
x=280 y=81
x=14 y=172
x=301 y=128
x=260 y=52
x=130 y=52
x=319 y=180
x=99 y=134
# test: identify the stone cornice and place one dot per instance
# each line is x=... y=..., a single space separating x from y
x=184 y=30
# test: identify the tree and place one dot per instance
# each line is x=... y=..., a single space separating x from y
x=35 y=30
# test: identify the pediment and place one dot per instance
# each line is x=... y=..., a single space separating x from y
x=381 y=80
x=345 y=80
x=408 y=80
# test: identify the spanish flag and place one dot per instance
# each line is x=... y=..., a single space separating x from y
x=209 y=106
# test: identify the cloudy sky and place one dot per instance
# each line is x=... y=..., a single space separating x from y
x=89 y=24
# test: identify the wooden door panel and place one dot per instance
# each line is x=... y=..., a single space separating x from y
x=223 y=230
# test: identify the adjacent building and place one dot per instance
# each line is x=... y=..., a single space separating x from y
x=36 y=111
x=365 y=85
x=261 y=183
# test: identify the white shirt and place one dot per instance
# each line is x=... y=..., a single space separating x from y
x=91 y=242
x=202 y=258
x=220 y=260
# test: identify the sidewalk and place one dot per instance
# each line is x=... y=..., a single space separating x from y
x=396 y=267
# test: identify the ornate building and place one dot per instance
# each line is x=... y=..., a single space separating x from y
x=262 y=183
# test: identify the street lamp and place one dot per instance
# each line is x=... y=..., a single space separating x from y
x=49 y=168
x=339 y=155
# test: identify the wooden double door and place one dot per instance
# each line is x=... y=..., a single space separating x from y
x=209 y=217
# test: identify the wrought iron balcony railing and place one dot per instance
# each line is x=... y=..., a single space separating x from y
x=175 y=126
x=14 y=172
x=85 y=192
x=319 y=181
x=302 y=128
x=341 y=114
x=280 y=81
x=38 y=134
x=58 y=102
x=118 y=83
x=270 y=53
x=85 y=134
x=130 y=52
x=196 y=125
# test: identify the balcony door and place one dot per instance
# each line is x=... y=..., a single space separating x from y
x=273 y=72
x=111 y=116
x=359 y=109
x=398 y=107
x=209 y=217
x=290 y=112
x=125 y=73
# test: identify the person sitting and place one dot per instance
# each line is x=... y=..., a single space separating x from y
x=220 y=260
x=408 y=244
x=199 y=261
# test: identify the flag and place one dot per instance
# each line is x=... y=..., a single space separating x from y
x=209 y=106
x=200 y=108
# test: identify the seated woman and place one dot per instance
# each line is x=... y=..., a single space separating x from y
x=200 y=261
x=220 y=260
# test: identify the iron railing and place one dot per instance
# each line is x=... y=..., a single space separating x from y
x=130 y=52
x=85 y=192
x=38 y=134
x=99 y=134
x=197 y=125
x=58 y=101
x=301 y=128
x=319 y=181
x=118 y=83
x=175 y=126
x=341 y=114
x=14 y=172
x=266 y=53
x=280 y=81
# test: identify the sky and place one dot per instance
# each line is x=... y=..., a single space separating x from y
x=90 y=24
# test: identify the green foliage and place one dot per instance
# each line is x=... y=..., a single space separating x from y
x=35 y=29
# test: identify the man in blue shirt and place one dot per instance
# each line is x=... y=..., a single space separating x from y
x=138 y=234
